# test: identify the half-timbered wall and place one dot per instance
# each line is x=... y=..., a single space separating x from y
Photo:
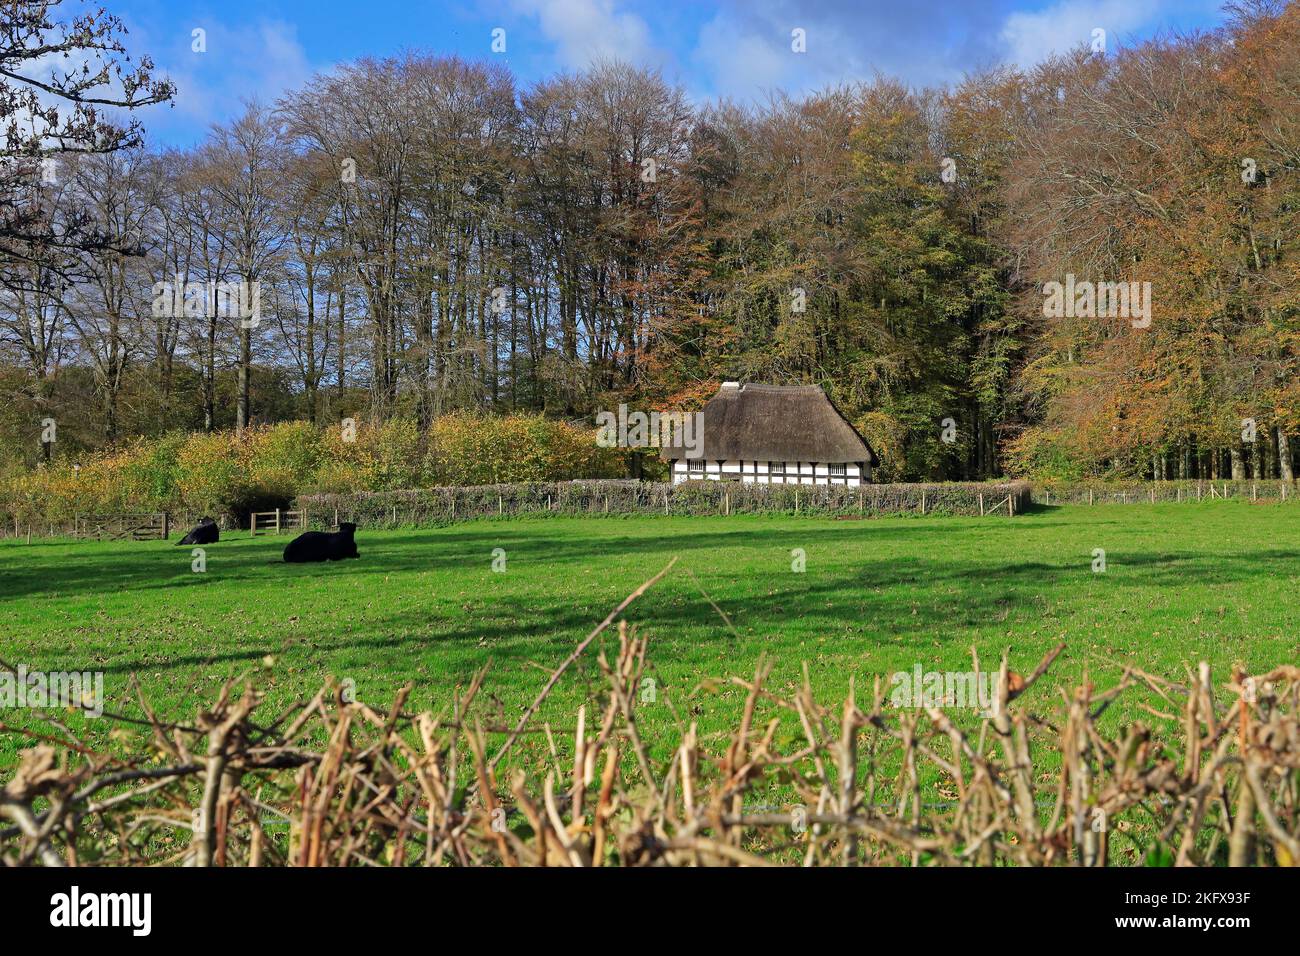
x=772 y=473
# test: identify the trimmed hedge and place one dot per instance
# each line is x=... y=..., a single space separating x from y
x=437 y=506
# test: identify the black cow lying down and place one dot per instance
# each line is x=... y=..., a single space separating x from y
x=205 y=532
x=322 y=545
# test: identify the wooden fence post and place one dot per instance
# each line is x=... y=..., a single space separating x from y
x=252 y=523
x=166 y=527
x=922 y=501
x=981 y=504
x=1089 y=496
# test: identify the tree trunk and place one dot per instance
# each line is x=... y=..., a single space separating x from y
x=210 y=376
x=245 y=363
x=1284 y=455
x=312 y=376
x=342 y=338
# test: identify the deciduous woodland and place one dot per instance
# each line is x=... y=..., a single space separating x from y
x=429 y=236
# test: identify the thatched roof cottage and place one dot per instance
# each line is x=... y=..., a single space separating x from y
x=772 y=434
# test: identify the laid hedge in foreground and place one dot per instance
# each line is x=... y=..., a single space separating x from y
x=1030 y=777
x=431 y=506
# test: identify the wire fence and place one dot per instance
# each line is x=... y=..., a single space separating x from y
x=1157 y=492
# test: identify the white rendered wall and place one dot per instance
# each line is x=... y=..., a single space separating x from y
x=765 y=473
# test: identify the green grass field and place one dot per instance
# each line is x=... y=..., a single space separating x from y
x=1183 y=583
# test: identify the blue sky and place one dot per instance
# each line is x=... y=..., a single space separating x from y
x=732 y=48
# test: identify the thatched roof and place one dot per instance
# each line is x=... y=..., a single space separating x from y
x=775 y=423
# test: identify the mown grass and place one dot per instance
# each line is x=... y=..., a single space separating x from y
x=1183 y=583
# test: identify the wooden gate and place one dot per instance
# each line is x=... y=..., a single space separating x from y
x=275 y=522
x=155 y=526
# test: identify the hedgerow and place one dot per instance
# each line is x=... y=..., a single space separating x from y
x=224 y=473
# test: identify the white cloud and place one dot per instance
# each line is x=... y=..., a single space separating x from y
x=740 y=62
x=255 y=61
x=262 y=60
x=586 y=30
x=746 y=48
x=1029 y=38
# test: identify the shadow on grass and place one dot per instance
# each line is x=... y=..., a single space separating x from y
x=898 y=583
x=80 y=569
x=904 y=607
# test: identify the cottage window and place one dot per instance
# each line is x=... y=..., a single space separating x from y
x=695 y=464
x=776 y=469
x=839 y=471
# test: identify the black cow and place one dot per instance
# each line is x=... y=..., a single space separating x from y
x=205 y=532
x=322 y=545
